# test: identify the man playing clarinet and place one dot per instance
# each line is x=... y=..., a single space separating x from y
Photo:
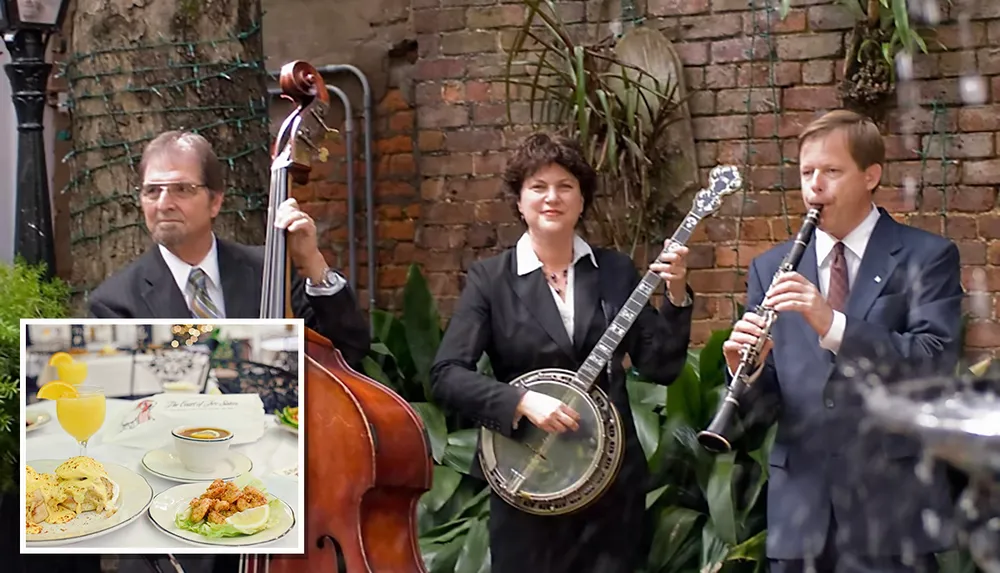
x=869 y=296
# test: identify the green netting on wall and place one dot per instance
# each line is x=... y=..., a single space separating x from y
x=120 y=98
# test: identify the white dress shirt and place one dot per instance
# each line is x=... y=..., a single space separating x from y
x=855 y=244
x=528 y=261
x=210 y=264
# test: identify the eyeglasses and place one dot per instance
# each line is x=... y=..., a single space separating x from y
x=152 y=191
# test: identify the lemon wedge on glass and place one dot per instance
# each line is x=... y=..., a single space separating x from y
x=251 y=520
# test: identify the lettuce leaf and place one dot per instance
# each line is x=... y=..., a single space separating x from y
x=219 y=530
x=285 y=416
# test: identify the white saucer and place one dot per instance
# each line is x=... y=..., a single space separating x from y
x=167 y=465
x=37 y=419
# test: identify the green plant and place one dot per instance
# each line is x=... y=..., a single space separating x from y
x=618 y=100
x=25 y=294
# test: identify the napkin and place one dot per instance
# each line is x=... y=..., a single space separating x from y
x=148 y=423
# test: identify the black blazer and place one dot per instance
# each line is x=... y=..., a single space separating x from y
x=146 y=289
x=903 y=321
x=516 y=322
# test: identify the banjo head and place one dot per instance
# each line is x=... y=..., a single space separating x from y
x=549 y=474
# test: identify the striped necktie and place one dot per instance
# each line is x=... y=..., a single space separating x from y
x=201 y=304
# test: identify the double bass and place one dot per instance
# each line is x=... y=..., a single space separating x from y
x=368 y=457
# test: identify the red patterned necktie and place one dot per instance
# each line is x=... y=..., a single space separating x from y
x=839 y=287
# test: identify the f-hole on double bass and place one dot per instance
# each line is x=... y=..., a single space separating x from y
x=367 y=457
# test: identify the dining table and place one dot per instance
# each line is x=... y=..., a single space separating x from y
x=275 y=458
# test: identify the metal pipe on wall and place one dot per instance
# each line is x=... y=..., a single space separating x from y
x=369 y=177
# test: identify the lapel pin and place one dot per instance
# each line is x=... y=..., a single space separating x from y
x=878 y=279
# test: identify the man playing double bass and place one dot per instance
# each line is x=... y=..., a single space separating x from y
x=191 y=273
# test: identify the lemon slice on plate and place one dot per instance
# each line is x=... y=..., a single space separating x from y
x=250 y=520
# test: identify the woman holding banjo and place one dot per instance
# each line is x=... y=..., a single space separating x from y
x=546 y=303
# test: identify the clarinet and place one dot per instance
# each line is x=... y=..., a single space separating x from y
x=714 y=438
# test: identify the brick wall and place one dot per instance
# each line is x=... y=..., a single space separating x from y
x=756 y=80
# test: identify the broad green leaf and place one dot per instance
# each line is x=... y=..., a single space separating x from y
x=646 y=394
x=760 y=456
x=445 y=483
x=461 y=450
x=672 y=528
x=752 y=549
x=721 y=502
x=647 y=426
x=654 y=495
x=475 y=555
x=684 y=397
x=380 y=348
x=375 y=372
x=713 y=550
x=441 y=557
x=437 y=427
x=711 y=362
x=447 y=532
x=422 y=325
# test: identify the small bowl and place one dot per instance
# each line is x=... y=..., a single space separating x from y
x=202 y=451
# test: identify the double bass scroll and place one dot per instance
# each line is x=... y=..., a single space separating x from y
x=368 y=458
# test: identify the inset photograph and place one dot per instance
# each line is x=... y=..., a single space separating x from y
x=147 y=436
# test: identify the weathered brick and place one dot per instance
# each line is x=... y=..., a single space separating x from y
x=496 y=114
x=430 y=141
x=720 y=127
x=402 y=121
x=769 y=74
x=954 y=36
x=983 y=334
x=435 y=117
x=397 y=144
x=447 y=213
x=702 y=103
x=957 y=227
x=817 y=71
x=692 y=53
x=754 y=152
x=981 y=172
x=730 y=5
x=739 y=255
x=468 y=42
x=931 y=173
x=960 y=145
x=962 y=199
x=495 y=16
x=438 y=20
x=952 y=64
x=811 y=98
x=440 y=68
x=396 y=230
x=474 y=140
x=769 y=22
x=448 y=165
x=984 y=63
x=720 y=77
x=676 y=7
x=922 y=120
x=739 y=50
x=488 y=164
x=810 y=46
x=832 y=17
x=755 y=100
x=787 y=124
x=714 y=26
x=715 y=280
x=993 y=253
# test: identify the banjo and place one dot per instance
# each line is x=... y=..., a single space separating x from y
x=559 y=473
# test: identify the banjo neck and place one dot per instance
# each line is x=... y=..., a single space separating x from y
x=605 y=348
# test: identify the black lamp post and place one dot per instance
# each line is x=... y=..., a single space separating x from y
x=26 y=26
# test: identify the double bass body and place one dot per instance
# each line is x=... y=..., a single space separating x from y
x=367 y=456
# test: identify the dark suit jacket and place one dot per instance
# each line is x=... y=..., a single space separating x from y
x=514 y=319
x=903 y=320
x=146 y=289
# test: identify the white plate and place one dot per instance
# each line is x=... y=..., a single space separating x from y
x=166 y=505
x=287 y=428
x=39 y=420
x=133 y=497
x=167 y=465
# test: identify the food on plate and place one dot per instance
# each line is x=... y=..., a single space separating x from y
x=78 y=485
x=289 y=416
x=230 y=509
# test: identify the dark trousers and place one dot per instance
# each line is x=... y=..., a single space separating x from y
x=831 y=560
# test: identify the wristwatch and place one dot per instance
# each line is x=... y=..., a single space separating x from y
x=331 y=278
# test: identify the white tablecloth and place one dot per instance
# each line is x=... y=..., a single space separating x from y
x=275 y=452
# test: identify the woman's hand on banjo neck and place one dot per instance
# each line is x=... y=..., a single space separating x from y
x=547 y=413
